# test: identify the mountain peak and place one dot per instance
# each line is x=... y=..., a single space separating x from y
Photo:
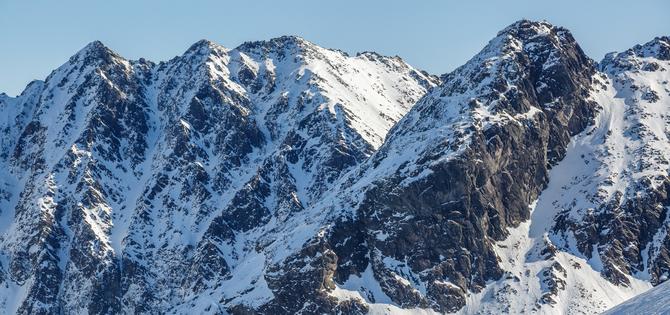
x=95 y=47
x=94 y=51
x=658 y=47
x=525 y=24
x=376 y=55
x=542 y=44
x=515 y=36
x=205 y=47
x=527 y=30
x=287 y=42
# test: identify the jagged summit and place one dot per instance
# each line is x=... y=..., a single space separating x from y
x=205 y=47
x=529 y=38
x=375 y=56
x=526 y=60
x=279 y=46
x=640 y=57
x=93 y=46
x=658 y=48
x=525 y=28
x=284 y=41
x=94 y=51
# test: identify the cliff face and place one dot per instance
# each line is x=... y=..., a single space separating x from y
x=464 y=165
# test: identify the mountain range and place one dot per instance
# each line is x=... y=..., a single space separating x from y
x=281 y=177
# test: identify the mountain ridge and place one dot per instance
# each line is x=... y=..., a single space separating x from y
x=126 y=123
x=282 y=177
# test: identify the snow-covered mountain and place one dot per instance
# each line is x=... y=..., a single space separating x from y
x=280 y=177
x=129 y=185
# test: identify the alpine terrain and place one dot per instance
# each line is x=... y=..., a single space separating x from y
x=281 y=177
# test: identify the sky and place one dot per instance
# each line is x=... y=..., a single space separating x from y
x=37 y=36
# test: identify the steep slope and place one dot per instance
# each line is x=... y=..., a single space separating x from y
x=58 y=204
x=132 y=186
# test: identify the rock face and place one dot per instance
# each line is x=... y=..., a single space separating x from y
x=280 y=177
x=597 y=232
x=464 y=165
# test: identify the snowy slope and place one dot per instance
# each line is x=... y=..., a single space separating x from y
x=653 y=302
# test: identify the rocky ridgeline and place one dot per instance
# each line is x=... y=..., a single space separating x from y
x=282 y=177
x=131 y=186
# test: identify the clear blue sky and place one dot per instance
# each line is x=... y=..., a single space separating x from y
x=36 y=36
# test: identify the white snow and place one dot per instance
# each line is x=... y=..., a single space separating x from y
x=653 y=302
